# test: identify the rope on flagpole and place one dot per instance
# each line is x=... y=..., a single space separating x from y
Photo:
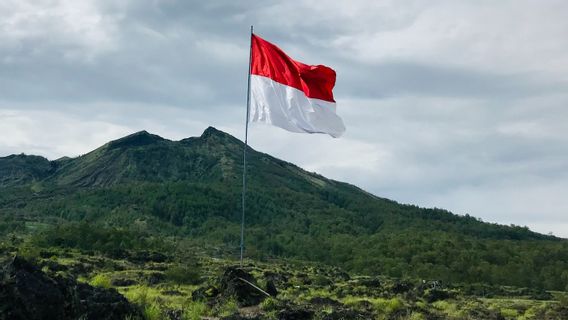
x=245 y=152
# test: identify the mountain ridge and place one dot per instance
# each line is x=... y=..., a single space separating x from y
x=113 y=150
x=191 y=188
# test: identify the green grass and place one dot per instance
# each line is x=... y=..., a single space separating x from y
x=101 y=280
x=195 y=310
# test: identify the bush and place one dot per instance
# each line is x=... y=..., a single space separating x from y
x=183 y=275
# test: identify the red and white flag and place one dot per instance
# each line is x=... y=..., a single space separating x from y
x=289 y=94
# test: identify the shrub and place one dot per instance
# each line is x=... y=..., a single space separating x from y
x=183 y=275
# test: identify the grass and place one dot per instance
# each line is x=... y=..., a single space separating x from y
x=195 y=310
x=227 y=308
x=101 y=280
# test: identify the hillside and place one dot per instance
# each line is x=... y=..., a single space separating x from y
x=134 y=191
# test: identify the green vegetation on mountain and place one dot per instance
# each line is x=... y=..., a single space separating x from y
x=135 y=192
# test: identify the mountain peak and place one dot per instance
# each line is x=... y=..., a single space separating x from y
x=136 y=139
x=213 y=134
x=212 y=131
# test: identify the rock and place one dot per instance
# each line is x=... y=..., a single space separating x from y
x=54 y=266
x=342 y=275
x=204 y=293
x=371 y=283
x=100 y=303
x=279 y=279
x=122 y=282
x=321 y=280
x=295 y=314
x=324 y=301
x=231 y=285
x=434 y=295
x=147 y=256
x=174 y=314
x=542 y=295
x=271 y=288
x=347 y=314
x=401 y=286
x=28 y=293
x=117 y=254
x=155 y=278
x=364 y=305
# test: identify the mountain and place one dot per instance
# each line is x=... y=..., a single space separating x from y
x=23 y=169
x=156 y=188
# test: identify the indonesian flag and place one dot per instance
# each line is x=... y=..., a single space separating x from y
x=289 y=94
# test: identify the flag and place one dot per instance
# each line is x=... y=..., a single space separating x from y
x=289 y=94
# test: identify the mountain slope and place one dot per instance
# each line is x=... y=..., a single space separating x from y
x=22 y=169
x=191 y=188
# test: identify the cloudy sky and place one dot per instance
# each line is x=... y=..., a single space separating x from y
x=460 y=105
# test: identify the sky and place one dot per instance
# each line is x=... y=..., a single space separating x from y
x=461 y=105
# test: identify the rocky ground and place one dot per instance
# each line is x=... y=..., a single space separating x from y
x=58 y=284
x=28 y=293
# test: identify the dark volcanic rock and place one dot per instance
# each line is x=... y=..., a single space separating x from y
x=324 y=301
x=147 y=256
x=347 y=314
x=401 y=286
x=28 y=293
x=122 y=282
x=295 y=314
x=435 y=295
x=371 y=283
x=233 y=283
x=271 y=288
x=155 y=278
x=204 y=293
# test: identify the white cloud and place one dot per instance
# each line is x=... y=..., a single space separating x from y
x=505 y=36
x=53 y=134
x=76 y=30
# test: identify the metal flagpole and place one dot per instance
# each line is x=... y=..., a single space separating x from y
x=245 y=152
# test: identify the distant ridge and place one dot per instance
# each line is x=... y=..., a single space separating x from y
x=191 y=188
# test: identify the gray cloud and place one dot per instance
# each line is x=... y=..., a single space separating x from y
x=450 y=104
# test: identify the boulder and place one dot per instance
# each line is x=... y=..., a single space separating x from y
x=434 y=295
x=295 y=314
x=271 y=288
x=231 y=285
x=371 y=282
x=28 y=293
x=347 y=314
x=321 y=301
x=204 y=293
x=401 y=286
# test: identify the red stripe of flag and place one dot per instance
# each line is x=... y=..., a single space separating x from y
x=270 y=61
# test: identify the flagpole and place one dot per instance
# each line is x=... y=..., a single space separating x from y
x=245 y=152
